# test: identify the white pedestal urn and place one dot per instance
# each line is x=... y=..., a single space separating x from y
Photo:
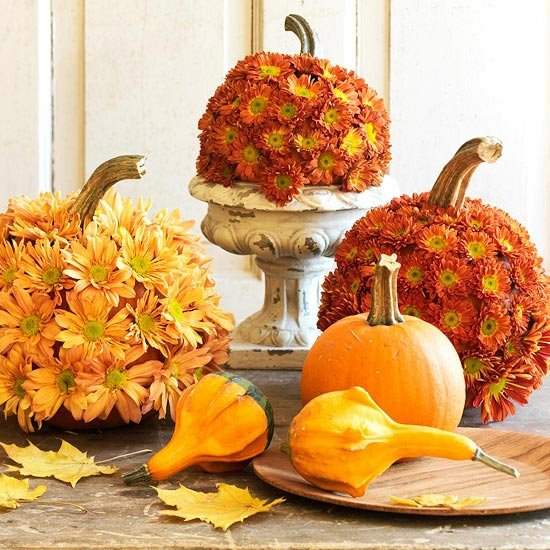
x=293 y=245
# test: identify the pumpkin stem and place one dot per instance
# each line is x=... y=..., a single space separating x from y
x=137 y=476
x=452 y=183
x=488 y=460
x=104 y=176
x=384 y=307
x=309 y=41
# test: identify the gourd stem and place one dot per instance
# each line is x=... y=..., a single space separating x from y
x=384 y=307
x=309 y=41
x=484 y=458
x=136 y=476
x=104 y=176
x=452 y=183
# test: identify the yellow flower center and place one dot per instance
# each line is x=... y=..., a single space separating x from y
x=506 y=245
x=175 y=310
x=370 y=130
x=251 y=154
x=65 y=381
x=51 y=276
x=230 y=135
x=437 y=242
x=140 y=265
x=415 y=274
x=306 y=142
x=354 y=286
x=331 y=116
x=352 y=142
x=412 y=311
x=490 y=283
x=477 y=224
x=283 y=182
x=276 y=139
x=269 y=70
x=476 y=250
x=352 y=253
x=30 y=325
x=304 y=92
x=18 y=387
x=511 y=348
x=451 y=319
x=99 y=273
x=115 y=379
x=326 y=161
x=489 y=327
x=288 y=110
x=496 y=387
x=258 y=105
x=93 y=330
x=145 y=322
x=341 y=95
x=448 y=278
x=472 y=365
x=9 y=275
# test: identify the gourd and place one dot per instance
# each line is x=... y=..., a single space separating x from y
x=342 y=441
x=106 y=314
x=222 y=422
x=409 y=367
x=469 y=269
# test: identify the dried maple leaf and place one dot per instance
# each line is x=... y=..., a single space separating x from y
x=222 y=509
x=432 y=500
x=13 y=491
x=68 y=464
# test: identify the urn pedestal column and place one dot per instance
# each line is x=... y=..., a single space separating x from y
x=293 y=246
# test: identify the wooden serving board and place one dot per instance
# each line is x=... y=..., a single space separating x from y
x=529 y=453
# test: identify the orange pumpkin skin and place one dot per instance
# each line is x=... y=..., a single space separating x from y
x=410 y=369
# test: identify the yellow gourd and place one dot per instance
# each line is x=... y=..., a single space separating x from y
x=342 y=441
x=222 y=422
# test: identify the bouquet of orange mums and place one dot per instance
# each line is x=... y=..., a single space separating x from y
x=102 y=310
x=289 y=121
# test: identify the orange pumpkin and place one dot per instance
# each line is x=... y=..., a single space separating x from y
x=409 y=367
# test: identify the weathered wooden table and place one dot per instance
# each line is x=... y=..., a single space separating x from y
x=126 y=517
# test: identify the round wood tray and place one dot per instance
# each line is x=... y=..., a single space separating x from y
x=529 y=453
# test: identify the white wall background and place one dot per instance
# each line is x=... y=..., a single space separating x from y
x=134 y=76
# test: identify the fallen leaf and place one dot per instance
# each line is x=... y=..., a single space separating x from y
x=13 y=491
x=67 y=464
x=222 y=509
x=433 y=500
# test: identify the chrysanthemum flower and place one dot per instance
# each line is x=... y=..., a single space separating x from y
x=224 y=136
x=303 y=87
x=477 y=245
x=456 y=319
x=413 y=271
x=42 y=268
x=15 y=368
x=147 y=256
x=96 y=271
x=10 y=258
x=55 y=384
x=119 y=383
x=492 y=280
x=254 y=104
x=281 y=183
x=149 y=326
x=413 y=303
x=27 y=319
x=493 y=326
x=335 y=117
x=327 y=166
x=309 y=141
x=437 y=239
x=246 y=156
x=352 y=143
x=269 y=66
x=346 y=93
x=90 y=324
x=450 y=276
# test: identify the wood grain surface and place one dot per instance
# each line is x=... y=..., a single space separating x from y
x=529 y=453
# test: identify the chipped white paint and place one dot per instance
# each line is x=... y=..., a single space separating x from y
x=293 y=246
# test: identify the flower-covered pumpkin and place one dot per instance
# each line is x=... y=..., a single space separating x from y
x=469 y=269
x=287 y=121
x=103 y=311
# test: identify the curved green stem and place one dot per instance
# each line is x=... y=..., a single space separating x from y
x=309 y=41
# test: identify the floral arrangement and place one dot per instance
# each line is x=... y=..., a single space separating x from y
x=121 y=314
x=473 y=273
x=289 y=121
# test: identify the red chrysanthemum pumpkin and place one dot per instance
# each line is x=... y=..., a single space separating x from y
x=469 y=269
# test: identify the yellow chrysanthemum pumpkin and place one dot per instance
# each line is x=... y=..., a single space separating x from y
x=105 y=314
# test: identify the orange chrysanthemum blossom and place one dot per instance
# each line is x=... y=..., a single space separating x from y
x=27 y=319
x=42 y=268
x=281 y=183
x=15 y=368
x=148 y=326
x=327 y=167
x=91 y=324
x=96 y=271
x=120 y=383
x=54 y=384
x=181 y=369
x=147 y=256
x=177 y=232
x=10 y=258
x=274 y=109
x=473 y=272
